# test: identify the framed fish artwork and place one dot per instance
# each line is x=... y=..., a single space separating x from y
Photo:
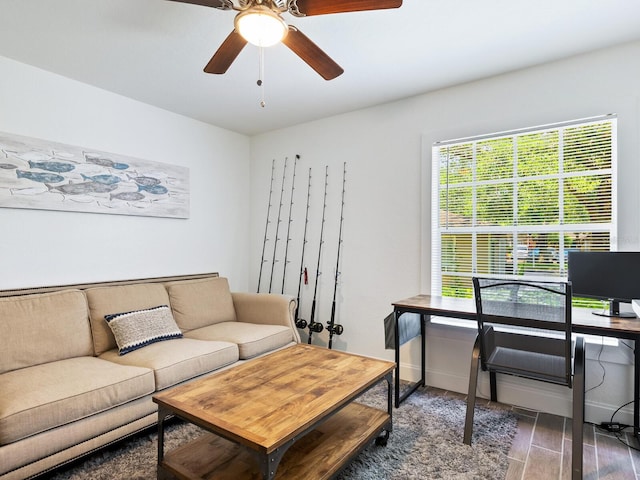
x=40 y=174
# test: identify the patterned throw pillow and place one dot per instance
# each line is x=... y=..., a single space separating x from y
x=133 y=330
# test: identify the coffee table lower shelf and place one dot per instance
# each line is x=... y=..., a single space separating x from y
x=319 y=454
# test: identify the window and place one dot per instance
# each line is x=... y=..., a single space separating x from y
x=513 y=204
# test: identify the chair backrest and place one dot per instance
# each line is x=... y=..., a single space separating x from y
x=525 y=328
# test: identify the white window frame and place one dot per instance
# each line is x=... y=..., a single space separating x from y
x=436 y=231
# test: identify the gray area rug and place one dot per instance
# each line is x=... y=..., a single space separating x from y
x=426 y=443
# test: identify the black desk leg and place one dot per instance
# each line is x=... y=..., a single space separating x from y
x=636 y=387
x=399 y=398
x=423 y=349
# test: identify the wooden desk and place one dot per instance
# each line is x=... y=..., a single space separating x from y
x=583 y=321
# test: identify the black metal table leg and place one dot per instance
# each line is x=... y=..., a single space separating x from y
x=162 y=416
x=401 y=397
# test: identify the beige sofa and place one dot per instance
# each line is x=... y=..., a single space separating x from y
x=65 y=389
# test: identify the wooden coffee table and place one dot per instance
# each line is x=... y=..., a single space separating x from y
x=289 y=414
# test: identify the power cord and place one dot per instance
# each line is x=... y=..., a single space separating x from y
x=604 y=372
x=613 y=427
x=618 y=429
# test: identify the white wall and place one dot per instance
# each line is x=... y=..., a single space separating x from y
x=39 y=247
x=385 y=254
x=386 y=249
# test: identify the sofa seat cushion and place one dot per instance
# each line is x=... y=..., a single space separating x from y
x=177 y=360
x=252 y=339
x=42 y=397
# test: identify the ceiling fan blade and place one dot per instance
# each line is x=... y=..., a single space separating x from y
x=226 y=54
x=221 y=4
x=322 y=7
x=308 y=51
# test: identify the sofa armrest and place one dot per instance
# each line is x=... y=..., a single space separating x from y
x=267 y=309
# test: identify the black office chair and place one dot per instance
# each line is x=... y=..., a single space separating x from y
x=524 y=329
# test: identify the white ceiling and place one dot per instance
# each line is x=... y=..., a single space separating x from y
x=154 y=51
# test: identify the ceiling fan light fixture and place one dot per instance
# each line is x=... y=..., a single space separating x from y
x=261 y=26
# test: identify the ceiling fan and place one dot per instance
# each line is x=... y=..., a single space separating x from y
x=260 y=22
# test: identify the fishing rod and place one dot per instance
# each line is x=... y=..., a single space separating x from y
x=332 y=327
x=275 y=241
x=286 y=248
x=313 y=325
x=301 y=322
x=266 y=226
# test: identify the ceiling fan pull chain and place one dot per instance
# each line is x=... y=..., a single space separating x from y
x=261 y=76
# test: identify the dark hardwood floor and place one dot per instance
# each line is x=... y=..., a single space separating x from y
x=541 y=449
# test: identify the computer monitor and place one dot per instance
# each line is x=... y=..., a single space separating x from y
x=612 y=276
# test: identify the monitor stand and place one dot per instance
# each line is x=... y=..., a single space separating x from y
x=614 y=311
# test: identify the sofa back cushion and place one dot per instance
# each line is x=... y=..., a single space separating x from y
x=43 y=328
x=119 y=299
x=199 y=303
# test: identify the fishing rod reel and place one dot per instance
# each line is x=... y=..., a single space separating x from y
x=335 y=329
x=301 y=323
x=315 y=327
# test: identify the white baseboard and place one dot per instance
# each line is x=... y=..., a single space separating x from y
x=523 y=393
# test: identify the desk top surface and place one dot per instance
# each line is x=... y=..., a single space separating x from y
x=583 y=320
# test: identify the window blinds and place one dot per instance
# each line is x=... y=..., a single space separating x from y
x=513 y=204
